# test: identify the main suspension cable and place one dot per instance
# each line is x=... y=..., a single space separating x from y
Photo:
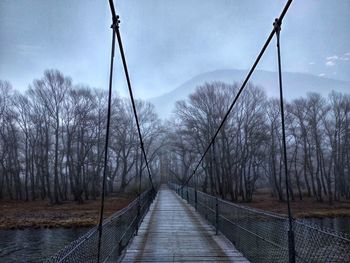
x=284 y=11
x=100 y=226
x=291 y=244
x=116 y=22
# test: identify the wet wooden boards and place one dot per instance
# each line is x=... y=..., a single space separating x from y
x=172 y=231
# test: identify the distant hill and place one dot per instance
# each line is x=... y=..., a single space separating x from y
x=295 y=85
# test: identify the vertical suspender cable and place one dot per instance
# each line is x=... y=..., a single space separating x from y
x=106 y=147
x=291 y=244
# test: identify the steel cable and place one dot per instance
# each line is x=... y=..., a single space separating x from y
x=285 y=9
x=277 y=25
x=116 y=22
x=106 y=148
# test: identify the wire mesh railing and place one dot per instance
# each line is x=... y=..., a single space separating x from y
x=117 y=231
x=263 y=236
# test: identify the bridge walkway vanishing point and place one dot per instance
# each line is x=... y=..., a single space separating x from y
x=172 y=231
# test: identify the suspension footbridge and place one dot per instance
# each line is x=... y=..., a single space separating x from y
x=186 y=225
x=180 y=223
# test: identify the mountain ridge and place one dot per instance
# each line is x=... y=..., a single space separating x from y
x=295 y=85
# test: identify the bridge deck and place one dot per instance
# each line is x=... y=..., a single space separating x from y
x=172 y=231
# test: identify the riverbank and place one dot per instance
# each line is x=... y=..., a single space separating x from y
x=306 y=208
x=40 y=214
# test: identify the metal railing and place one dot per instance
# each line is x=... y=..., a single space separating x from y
x=116 y=233
x=263 y=236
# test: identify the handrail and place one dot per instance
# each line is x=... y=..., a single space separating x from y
x=83 y=249
x=262 y=236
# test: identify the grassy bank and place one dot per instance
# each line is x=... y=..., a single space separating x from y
x=36 y=214
x=305 y=208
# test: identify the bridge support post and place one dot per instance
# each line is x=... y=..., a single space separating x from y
x=187 y=196
x=138 y=219
x=291 y=246
x=216 y=216
x=195 y=199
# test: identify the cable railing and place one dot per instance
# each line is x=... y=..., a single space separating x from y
x=263 y=236
x=117 y=231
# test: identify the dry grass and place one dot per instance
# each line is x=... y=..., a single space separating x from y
x=306 y=208
x=35 y=214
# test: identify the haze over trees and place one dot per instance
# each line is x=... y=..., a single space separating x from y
x=247 y=154
x=52 y=142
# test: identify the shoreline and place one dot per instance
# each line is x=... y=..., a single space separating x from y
x=39 y=214
x=36 y=225
x=320 y=215
x=89 y=225
x=306 y=208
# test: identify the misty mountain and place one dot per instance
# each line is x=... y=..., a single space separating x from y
x=294 y=85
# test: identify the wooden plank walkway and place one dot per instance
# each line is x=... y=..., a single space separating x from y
x=172 y=231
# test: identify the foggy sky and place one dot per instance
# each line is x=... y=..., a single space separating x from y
x=167 y=42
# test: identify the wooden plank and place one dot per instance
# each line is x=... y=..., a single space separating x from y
x=172 y=231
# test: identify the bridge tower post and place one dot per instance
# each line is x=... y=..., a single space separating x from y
x=195 y=198
x=187 y=196
x=195 y=192
x=216 y=215
x=138 y=218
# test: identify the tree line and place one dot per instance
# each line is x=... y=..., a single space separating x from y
x=247 y=153
x=52 y=141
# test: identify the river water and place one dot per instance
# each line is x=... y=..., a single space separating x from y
x=340 y=224
x=34 y=245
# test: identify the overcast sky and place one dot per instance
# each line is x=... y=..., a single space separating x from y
x=167 y=42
